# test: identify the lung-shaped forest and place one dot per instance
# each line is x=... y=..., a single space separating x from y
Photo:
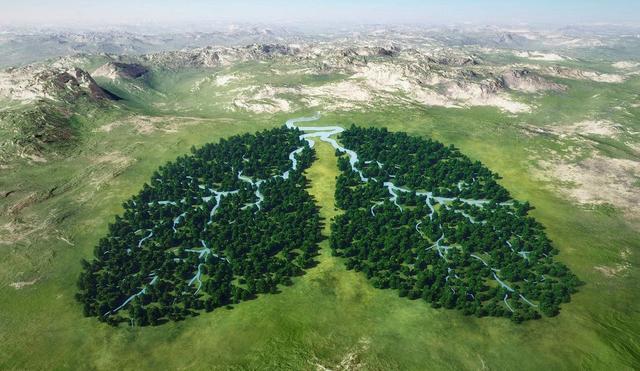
x=216 y=227
x=233 y=220
x=427 y=221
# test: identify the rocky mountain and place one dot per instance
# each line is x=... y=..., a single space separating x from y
x=337 y=75
x=38 y=120
x=34 y=131
x=527 y=81
x=114 y=70
x=369 y=73
x=364 y=72
x=209 y=57
x=23 y=46
x=34 y=82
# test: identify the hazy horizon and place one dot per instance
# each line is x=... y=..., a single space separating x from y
x=79 y=13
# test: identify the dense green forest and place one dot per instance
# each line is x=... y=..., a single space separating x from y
x=216 y=227
x=233 y=220
x=434 y=225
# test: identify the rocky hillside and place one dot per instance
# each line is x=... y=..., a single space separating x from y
x=115 y=70
x=370 y=73
x=363 y=73
x=208 y=57
x=270 y=78
x=35 y=82
x=35 y=132
x=38 y=120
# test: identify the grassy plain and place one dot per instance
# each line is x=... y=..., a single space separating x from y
x=330 y=316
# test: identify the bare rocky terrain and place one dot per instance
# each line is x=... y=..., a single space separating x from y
x=34 y=82
x=504 y=69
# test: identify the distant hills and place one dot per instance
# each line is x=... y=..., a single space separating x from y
x=19 y=46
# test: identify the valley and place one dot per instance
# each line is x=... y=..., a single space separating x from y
x=561 y=130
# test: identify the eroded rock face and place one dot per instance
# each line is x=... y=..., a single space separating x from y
x=87 y=84
x=114 y=70
x=31 y=83
x=576 y=74
x=271 y=49
x=36 y=132
x=527 y=81
x=458 y=61
x=371 y=51
x=209 y=57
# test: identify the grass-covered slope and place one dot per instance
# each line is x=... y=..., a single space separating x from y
x=35 y=130
x=330 y=314
x=53 y=214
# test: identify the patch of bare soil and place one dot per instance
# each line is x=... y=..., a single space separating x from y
x=108 y=166
x=612 y=271
x=603 y=128
x=597 y=180
x=145 y=125
x=625 y=65
x=577 y=74
x=618 y=269
x=540 y=56
x=261 y=100
x=20 y=230
x=20 y=284
x=350 y=361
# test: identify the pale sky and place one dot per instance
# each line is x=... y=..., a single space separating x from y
x=82 y=12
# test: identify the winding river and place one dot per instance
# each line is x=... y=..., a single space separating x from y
x=325 y=134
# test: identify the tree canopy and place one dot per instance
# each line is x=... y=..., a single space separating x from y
x=219 y=226
x=233 y=220
x=432 y=224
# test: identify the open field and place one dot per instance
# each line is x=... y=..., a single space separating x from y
x=330 y=317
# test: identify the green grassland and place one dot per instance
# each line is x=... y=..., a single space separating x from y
x=330 y=316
